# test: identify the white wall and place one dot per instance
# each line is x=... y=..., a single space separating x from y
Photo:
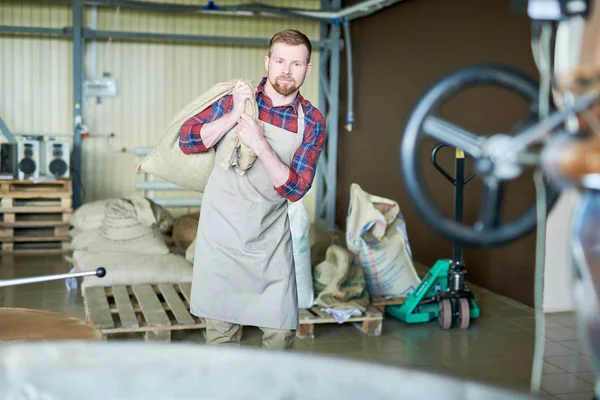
x=558 y=266
x=155 y=80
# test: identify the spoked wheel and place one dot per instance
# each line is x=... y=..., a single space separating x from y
x=463 y=313
x=445 y=314
x=497 y=159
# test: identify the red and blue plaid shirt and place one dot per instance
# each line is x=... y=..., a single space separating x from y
x=304 y=161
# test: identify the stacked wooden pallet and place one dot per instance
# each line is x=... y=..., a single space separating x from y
x=157 y=310
x=35 y=216
x=154 y=310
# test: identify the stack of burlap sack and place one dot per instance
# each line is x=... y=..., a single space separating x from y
x=128 y=237
x=372 y=258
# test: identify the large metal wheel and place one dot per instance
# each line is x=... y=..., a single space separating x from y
x=491 y=163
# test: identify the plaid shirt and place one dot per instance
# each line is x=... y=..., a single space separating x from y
x=304 y=161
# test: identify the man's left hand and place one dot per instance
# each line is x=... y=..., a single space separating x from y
x=251 y=133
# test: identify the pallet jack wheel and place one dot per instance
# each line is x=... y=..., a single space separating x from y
x=464 y=313
x=445 y=314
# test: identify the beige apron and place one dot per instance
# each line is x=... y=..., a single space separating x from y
x=244 y=266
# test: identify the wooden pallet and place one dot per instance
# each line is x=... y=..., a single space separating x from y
x=14 y=233
x=38 y=218
x=370 y=323
x=154 y=310
x=380 y=302
x=33 y=247
x=36 y=202
x=11 y=187
x=33 y=237
x=35 y=216
x=24 y=194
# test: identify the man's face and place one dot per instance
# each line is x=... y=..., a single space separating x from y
x=287 y=67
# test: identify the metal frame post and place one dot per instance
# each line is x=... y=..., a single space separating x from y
x=6 y=132
x=78 y=110
x=329 y=91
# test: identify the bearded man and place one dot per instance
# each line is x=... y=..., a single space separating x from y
x=244 y=267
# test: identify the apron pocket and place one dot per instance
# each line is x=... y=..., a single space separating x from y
x=263 y=226
x=242 y=225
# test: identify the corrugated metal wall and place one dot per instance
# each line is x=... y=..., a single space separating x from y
x=155 y=80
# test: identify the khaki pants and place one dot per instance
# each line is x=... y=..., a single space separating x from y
x=225 y=333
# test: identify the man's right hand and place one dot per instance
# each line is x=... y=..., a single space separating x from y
x=241 y=92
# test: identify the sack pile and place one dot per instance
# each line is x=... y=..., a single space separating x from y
x=126 y=236
x=129 y=224
x=371 y=258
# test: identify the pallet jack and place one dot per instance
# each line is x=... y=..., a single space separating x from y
x=443 y=293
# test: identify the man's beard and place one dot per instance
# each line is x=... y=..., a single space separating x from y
x=285 y=88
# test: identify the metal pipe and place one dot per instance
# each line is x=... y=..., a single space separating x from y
x=78 y=106
x=99 y=272
x=92 y=34
x=100 y=34
x=6 y=132
x=138 y=151
x=333 y=120
x=178 y=202
x=66 y=32
x=149 y=185
x=350 y=76
x=321 y=180
x=49 y=134
x=362 y=9
x=93 y=49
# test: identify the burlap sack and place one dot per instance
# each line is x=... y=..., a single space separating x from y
x=122 y=231
x=90 y=215
x=190 y=252
x=132 y=268
x=185 y=229
x=191 y=171
x=300 y=229
x=162 y=217
x=237 y=155
x=339 y=283
x=376 y=233
x=82 y=240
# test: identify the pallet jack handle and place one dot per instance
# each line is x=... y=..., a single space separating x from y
x=458 y=181
x=459 y=155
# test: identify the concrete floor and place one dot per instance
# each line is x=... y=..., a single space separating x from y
x=498 y=348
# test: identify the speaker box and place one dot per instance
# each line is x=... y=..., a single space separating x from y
x=57 y=156
x=29 y=159
x=8 y=160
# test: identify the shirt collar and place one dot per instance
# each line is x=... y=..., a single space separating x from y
x=295 y=104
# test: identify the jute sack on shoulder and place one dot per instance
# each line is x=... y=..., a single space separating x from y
x=191 y=171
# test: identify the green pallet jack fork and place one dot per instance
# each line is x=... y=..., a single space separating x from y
x=443 y=293
x=424 y=304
